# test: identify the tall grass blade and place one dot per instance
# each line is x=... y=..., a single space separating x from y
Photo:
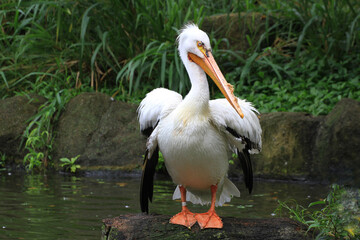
x=302 y=35
x=2 y=74
x=83 y=28
x=247 y=67
x=163 y=69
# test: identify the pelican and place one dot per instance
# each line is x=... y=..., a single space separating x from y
x=197 y=136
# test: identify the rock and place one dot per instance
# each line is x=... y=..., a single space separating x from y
x=14 y=114
x=106 y=134
x=299 y=146
x=103 y=132
x=288 y=142
x=141 y=226
x=337 y=146
x=238 y=27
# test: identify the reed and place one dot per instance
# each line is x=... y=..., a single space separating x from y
x=128 y=47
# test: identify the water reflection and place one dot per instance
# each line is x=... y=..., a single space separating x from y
x=260 y=204
x=67 y=207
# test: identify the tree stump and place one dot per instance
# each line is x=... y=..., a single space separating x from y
x=142 y=226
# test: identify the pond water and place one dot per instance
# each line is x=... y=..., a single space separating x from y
x=55 y=206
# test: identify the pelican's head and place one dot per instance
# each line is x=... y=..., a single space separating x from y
x=194 y=45
x=189 y=39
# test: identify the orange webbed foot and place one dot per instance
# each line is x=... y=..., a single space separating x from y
x=209 y=220
x=185 y=218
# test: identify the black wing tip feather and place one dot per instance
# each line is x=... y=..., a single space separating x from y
x=147 y=180
x=245 y=160
x=246 y=166
x=144 y=204
x=148 y=131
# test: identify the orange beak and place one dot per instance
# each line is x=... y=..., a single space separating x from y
x=211 y=68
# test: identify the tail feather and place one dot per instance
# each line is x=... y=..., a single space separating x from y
x=229 y=190
x=226 y=191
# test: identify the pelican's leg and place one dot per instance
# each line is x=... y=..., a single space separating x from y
x=210 y=219
x=185 y=217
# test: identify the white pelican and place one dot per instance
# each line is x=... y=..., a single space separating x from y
x=197 y=136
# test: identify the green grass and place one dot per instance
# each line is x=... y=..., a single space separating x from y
x=129 y=48
x=306 y=59
x=335 y=217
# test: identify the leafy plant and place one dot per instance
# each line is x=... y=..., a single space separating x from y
x=234 y=156
x=339 y=216
x=69 y=164
x=160 y=167
x=39 y=134
x=35 y=145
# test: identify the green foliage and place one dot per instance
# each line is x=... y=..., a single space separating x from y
x=39 y=133
x=328 y=28
x=338 y=218
x=312 y=64
x=160 y=167
x=327 y=81
x=69 y=164
x=234 y=156
x=36 y=145
x=159 y=62
x=127 y=48
x=90 y=38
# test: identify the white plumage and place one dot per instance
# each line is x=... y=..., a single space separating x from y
x=161 y=102
x=195 y=135
x=157 y=104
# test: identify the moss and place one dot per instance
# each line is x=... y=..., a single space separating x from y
x=141 y=226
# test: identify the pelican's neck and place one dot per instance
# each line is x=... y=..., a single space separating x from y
x=198 y=95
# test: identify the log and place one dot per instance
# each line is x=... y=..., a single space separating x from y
x=142 y=226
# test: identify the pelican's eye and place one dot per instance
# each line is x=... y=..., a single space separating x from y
x=201 y=47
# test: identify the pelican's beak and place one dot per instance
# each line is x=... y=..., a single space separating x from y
x=209 y=65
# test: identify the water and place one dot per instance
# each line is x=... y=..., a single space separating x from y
x=55 y=206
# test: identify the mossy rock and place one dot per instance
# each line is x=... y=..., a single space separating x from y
x=337 y=146
x=15 y=113
x=102 y=131
x=141 y=226
x=288 y=141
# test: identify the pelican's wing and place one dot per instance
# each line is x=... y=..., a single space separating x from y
x=147 y=179
x=243 y=134
x=155 y=106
